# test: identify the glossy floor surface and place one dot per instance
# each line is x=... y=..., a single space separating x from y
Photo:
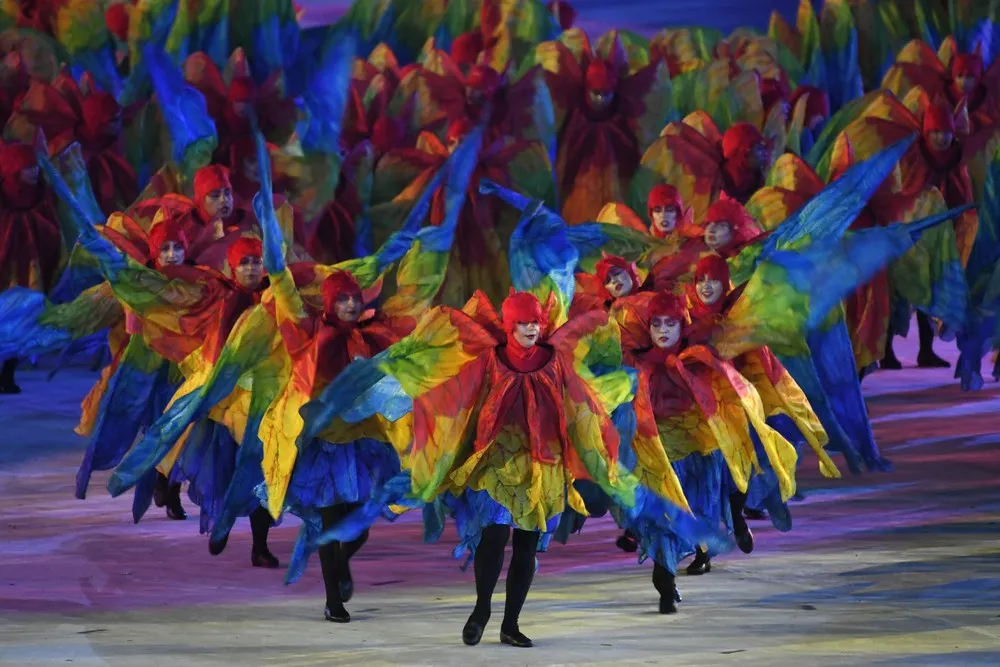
x=880 y=569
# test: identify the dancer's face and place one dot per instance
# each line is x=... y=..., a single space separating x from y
x=600 y=100
x=219 y=203
x=664 y=218
x=665 y=331
x=718 y=234
x=171 y=254
x=347 y=307
x=709 y=289
x=527 y=333
x=30 y=175
x=619 y=283
x=251 y=169
x=758 y=156
x=250 y=272
x=940 y=141
x=966 y=82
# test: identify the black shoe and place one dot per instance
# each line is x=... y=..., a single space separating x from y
x=627 y=542
x=472 y=633
x=337 y=615
x=754 y=514
x=9 y=389
x=890 y=364
x=744 y=540
x=667 y=605
x=930 y=360
x=175 y=510
x=216 y=548
x=701 y=564
x=677 y=595
x=264 y=558
x=515 y=637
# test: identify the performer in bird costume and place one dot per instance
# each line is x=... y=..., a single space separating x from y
x=338 y=470
x=702 y=162
x=928 y=277
x=538 y=425
x=232 y=105
x=68 y=112
x=30 y=238
x=935 y=160
x=478 y=260
x=606 y=118
x=954 y=75
x=704 y=412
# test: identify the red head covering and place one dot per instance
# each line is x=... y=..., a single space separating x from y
x=484 y=78
x=967 y=64
x=244 y=246
x=605 y=264
x=466 y=48
x=727 y=209
x=206 y=179
x=772 y=91
x=336 y=284
x=601 y=76
x=739 y=139
x=713 y=266
x=99 y=110
x=167 y=230
x=566 y=15
x=14 y=158
x=387 y=133
x=458 y=129
x=241 y=89
x=665 y=196
x=666 y=304
x=817 y=101
x=938 y=118
x=520 y=308
x=117 y=19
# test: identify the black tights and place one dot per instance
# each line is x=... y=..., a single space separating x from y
x=7 y=373
x=925 y=333
x=260 y=526
x=335 y=556
x=737 y=502
x=488 y=564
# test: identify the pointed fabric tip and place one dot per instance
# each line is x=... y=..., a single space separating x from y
x=917 y=227
x=828 y=215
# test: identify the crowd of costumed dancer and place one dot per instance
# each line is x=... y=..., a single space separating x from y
x=464 y=259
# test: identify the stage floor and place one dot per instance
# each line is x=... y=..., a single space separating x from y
x=880 y=569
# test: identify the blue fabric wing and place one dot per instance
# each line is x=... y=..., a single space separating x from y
x=185 y=112
x=324 y=98
x=828 y=215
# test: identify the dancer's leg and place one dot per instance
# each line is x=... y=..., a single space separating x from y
x=519 y=577
x=926 y=358
x=487 y=565
x=260 y=526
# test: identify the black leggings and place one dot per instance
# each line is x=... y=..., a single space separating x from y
x=260 y=526
x=333 y=557
x=925 y=333
x=7 y=372
x=488 y=564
